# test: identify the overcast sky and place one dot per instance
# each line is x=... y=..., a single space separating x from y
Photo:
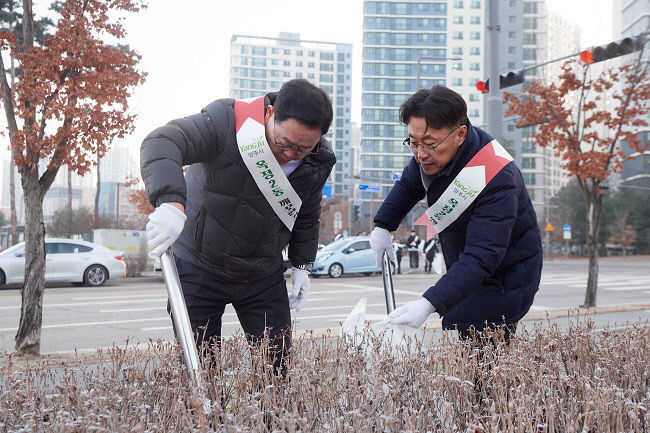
x=185 y=45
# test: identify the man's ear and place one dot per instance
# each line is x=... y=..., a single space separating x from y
x=269 y=113
x=462 y=135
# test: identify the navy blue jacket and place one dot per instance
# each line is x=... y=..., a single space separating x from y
x=493 y=251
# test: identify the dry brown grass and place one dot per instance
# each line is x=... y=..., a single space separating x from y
x=545 y=381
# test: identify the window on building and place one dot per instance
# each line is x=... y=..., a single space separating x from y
x=258 y=73
x=457 y=35
x=511 y=128
x=311 y=76
x=530 y=54
x=529 y=178
x=475 y=4
x=327 y=56
x=457 y=51
x=475 y=51
x=530 y=8
x=311 y=54
x=474 y=66
x=511 y=50
x=298 y=52
x=401 y=8
x=401 y=54
x=287 y=63
x=530 y=23
x=512 y=19
x=287 y=52
x=458 y=4
x=329 y=67
x=511 y=65
x=259 y=51
x=458 y=19
x=243 y=50
x=473 y=97
x=402 y=24
x=512 y=35
x=475 y=36
x=257 y=61
x=311 y=65
x=457 y=66
x=513 y=3
x=474 y=113
x=439 y=23
x=274 y=51
x=457 y=82
x=327 y=78
x=527 y=162
x=475 y=19
x=530 y=39
x=243 y=60
x=299 y=64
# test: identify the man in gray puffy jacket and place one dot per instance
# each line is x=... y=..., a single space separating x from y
x=240 y=203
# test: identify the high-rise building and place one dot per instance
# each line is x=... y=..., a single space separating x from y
x=530 y=35
x=632 y=18
x=405 y=47
x=262 y=64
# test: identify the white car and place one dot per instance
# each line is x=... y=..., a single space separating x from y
x=66 y=260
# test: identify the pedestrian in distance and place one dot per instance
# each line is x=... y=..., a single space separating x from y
x=413 y=242
x=398 y=249
x=430 y=248
x=337 y=235
x=254 y=185
x=480 y=210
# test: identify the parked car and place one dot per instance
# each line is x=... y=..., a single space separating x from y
x=346 y=256
x=66 y=260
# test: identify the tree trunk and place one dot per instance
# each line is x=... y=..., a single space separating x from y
x=12 y=175
x=28 y=337
x=594 y=207
x=12 y=201
x=97 y=193
x=69 y=224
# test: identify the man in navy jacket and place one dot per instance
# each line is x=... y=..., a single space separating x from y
x=492 y=250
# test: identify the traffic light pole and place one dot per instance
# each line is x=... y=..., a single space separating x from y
x=494 y=107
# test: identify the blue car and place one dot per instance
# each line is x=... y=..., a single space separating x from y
x=348 y=255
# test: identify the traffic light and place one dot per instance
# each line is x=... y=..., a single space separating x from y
x=612 y=50
x=483 y=86
x=512 y=78
x=355 y=213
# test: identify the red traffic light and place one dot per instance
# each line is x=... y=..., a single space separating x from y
x=586 y=57
x=483 y=86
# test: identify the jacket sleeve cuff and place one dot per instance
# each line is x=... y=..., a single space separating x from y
x=430 y=296
x=166 y=198
x=385 y=226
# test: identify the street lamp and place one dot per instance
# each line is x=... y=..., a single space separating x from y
x=420 y=58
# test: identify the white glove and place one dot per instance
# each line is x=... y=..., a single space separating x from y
x=164 y=226
x=379 y=242
x=412 y=313
x=300 y=288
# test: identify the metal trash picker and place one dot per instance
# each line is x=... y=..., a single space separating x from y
x=184 y=333
x=388 y=283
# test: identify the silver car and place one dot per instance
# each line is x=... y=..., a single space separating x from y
x=66 y=260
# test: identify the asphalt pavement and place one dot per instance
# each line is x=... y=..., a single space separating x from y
x=134 y=310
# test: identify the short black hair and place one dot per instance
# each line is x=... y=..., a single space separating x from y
x=305 y=102
x=440 y=106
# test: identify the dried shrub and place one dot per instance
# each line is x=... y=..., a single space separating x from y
x=547 y=380
x=136 y=264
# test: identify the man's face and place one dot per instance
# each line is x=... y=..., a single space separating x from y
x=290 y=139
x=434 y=148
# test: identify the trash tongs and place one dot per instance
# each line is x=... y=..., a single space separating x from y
x=184 y=333
x=388 y=283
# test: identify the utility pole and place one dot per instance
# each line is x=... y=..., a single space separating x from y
x=494 y=112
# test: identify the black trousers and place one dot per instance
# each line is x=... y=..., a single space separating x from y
x=261 y=306
x=414 y=258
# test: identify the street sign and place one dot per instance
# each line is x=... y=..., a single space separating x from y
x=358 y=202
x=566 y=231
x=327 y=192
x=566 y=227
x=374 y=188
x=549 y=227
x=396 y=176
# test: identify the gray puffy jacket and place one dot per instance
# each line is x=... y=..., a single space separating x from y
x=231 y=230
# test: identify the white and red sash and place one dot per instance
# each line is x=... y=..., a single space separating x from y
x=262 y=165
x=469 y=183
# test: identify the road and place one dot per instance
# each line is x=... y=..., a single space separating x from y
x=84 y=318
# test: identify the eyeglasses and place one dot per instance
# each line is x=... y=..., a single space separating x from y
x=426 y=148
x=299 y=151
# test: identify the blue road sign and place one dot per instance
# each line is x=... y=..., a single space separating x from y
x=358 y=202
x=396 y=176
x=374 y=188
x=363 y=187
x=327 y=192
x=567 y=227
